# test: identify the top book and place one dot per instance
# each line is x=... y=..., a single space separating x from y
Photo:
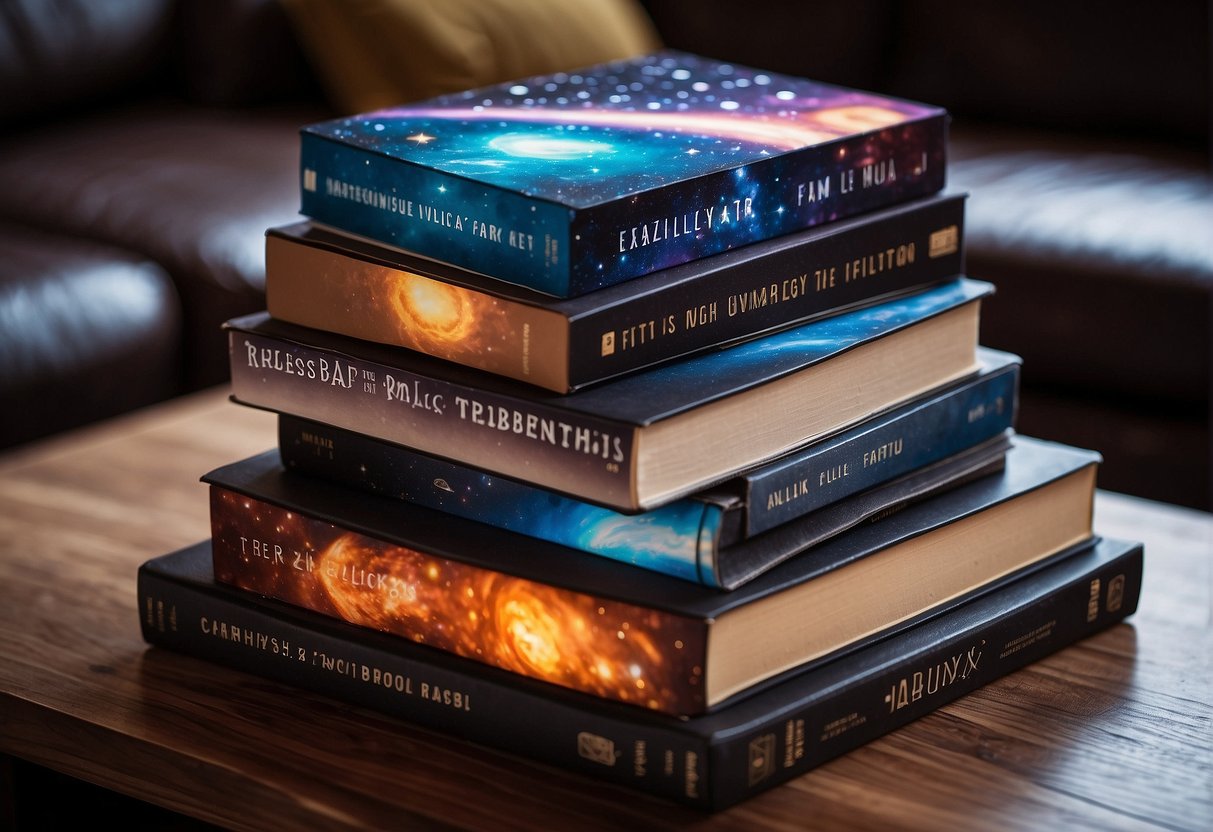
x=574 y=181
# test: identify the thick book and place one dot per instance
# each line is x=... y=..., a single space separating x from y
x=635 y=442
x=711 y=761
x=606 y=628
x=333 y=281
x=571 y=182
x=937 y=441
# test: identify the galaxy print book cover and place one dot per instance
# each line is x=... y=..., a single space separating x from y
x=603 y=627
x=574 y=181
x=721 y=537
x=338 y=282
x=720 y=758
x=635 y=442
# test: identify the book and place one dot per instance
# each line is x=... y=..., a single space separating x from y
x=635 y=442
x=910 y=453
x=571 y=182
x=709 y=762
x=341 y=283
x=604 y=627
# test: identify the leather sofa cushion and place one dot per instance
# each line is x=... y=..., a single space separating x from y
x=1156 y=453
x=851 y=43
x=86 y=331
x=1118 y=66
x=73 y=55
x=1102 y=256
x=238 y=53
x=78 y=53
x=190 y=189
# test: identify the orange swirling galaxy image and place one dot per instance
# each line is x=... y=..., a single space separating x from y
x=444 y=320
x=569 y=638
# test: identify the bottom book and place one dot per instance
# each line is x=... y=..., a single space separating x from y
x=710 y=761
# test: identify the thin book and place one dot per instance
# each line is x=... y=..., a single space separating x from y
x=730 y=533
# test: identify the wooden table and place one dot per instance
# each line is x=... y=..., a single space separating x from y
x=1113 y=733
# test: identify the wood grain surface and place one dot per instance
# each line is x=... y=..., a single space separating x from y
x=1113 y=733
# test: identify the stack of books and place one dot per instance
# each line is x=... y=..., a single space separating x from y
x=636 y=420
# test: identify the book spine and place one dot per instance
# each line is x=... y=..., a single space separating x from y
x=509 y=235
x=572 y=453
x=863 y=699
x=863 y=261
x=678 y=539
x=609 y=648
x=888 y=694
x=455 y=697
x=690 y=219
x=567 y=253
x=372 y=295
x=337 y=291
x=830 y=471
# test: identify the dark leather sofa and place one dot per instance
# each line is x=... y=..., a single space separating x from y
x=148 y=144
x=146 y=147
x=1082 y=134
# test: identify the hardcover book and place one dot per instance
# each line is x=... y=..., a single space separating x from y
x=809 y=496
x=710 y=761
x=606 y=628
x=341 y=283
x=635 y=442
x=575 y=181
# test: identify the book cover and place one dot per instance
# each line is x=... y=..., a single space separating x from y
x=640 y=440
x=911 y=452
x=594 y=624
x=571 y=182
x=333 y=281
x=711 y=761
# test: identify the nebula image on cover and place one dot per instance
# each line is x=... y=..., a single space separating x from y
x=597 y=151
x=606 y=648
x=581 y=139
x=667 y=539
x=426 y=314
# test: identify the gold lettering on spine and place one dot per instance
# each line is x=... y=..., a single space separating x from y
x=691 y=770
x=942 y=674
x=943 y=242
x=596 y=749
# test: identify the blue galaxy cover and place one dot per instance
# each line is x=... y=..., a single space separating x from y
x=691 y=537
x=573 y=181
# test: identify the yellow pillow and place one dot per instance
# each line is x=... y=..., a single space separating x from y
x=378 y=53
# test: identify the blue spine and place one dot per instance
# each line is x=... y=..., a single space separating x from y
x=442 y=216
x=678 y=539
x=880 y=450
x=682 y=538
